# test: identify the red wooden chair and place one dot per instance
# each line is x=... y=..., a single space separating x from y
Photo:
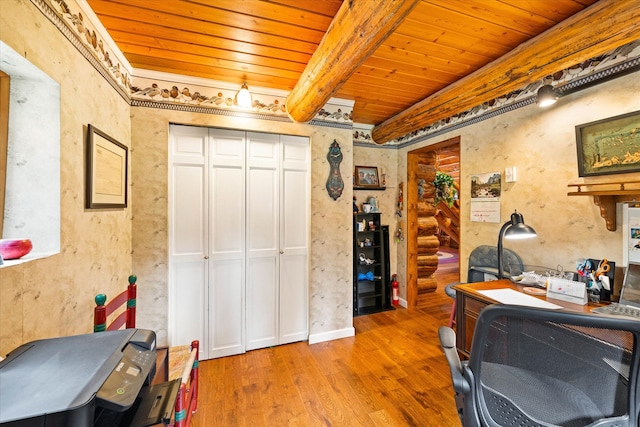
x=128 y=317
x=187 y=399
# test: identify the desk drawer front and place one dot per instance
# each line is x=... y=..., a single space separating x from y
x=471 y=311
x=473 y=306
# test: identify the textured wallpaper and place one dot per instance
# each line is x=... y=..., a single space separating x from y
x=54 y=296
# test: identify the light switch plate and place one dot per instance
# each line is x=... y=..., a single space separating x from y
x=510 y=174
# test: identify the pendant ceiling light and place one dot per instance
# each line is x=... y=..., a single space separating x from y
x=243 y=97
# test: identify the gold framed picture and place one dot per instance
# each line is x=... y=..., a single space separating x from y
x=367 y=176
x=609 y=146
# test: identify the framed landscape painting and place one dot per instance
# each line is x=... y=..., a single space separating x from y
x=609 y=146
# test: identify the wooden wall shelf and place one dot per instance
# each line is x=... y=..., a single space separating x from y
x=370 y=188
x=606 y=195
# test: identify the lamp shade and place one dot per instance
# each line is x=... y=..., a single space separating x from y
x=546 y=96
x=518 y=229
x=513 y=229
x=243 y=97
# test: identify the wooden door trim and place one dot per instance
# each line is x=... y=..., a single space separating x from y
x=412 y=216
x=4 y=140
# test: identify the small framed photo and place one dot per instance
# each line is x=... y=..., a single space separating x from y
x=367 y=176
x=107 y=160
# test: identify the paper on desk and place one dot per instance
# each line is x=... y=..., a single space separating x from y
x=513 y=297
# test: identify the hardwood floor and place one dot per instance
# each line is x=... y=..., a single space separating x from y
x=392 y=373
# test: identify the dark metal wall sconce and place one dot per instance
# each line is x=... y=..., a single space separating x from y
x=547 y=95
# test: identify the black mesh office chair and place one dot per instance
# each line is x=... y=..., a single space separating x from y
x=535 y=367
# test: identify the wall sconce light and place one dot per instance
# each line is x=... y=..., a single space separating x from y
x=243 y=97
x=547 y=96
x=512 y=229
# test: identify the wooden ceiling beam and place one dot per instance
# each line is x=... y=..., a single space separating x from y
x=357 y=30
x=596 y=30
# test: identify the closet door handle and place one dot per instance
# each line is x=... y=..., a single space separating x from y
x=206 y=257
x=281 y=252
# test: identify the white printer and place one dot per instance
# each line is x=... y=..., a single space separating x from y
x=99 y=379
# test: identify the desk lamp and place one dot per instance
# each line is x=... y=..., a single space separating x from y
x=512 y=229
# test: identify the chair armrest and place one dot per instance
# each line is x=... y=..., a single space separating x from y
x=448 y=343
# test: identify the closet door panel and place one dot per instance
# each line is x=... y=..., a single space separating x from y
x=227 y=186
x=188 y=255
x=187 y=303
x=294 y=239
x=294 y=299
x=227 y=212
x=262 y=306
x=294 y=221
x=188 y=228
x=294 y=259
x=188 y=220
x=227 y=147
x=262 y=214
x=262 y=149
x=262 y=258
x=262 y=240
x=225 y=308
x=227 y=242
x=294 y=210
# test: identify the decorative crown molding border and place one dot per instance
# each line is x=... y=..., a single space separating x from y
x=83 y=37
x=95 y=44
x=619 y=61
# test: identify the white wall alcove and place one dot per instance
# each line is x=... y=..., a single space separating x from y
x=32 y=196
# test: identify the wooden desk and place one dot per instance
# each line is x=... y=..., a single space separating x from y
x=469 y=302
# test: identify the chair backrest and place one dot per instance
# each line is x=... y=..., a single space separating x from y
x=484 y=259
x=126 y=318
x=538 y=367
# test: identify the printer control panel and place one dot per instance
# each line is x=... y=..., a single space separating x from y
x=122 y=386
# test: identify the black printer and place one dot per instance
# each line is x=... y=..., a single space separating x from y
x=99 y=379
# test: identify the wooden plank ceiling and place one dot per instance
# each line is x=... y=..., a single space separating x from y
x=268 y=43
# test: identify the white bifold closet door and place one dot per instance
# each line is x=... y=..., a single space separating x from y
x=255 y=202
x=188 y=234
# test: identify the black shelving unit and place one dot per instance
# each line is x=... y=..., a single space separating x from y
x=371 y=277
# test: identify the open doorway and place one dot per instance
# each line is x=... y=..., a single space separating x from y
x=431 y=227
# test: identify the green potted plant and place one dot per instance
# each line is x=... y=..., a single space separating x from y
x=445 y=190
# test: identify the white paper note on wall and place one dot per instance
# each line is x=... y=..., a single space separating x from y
x=486 y=190
x=630 y=233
